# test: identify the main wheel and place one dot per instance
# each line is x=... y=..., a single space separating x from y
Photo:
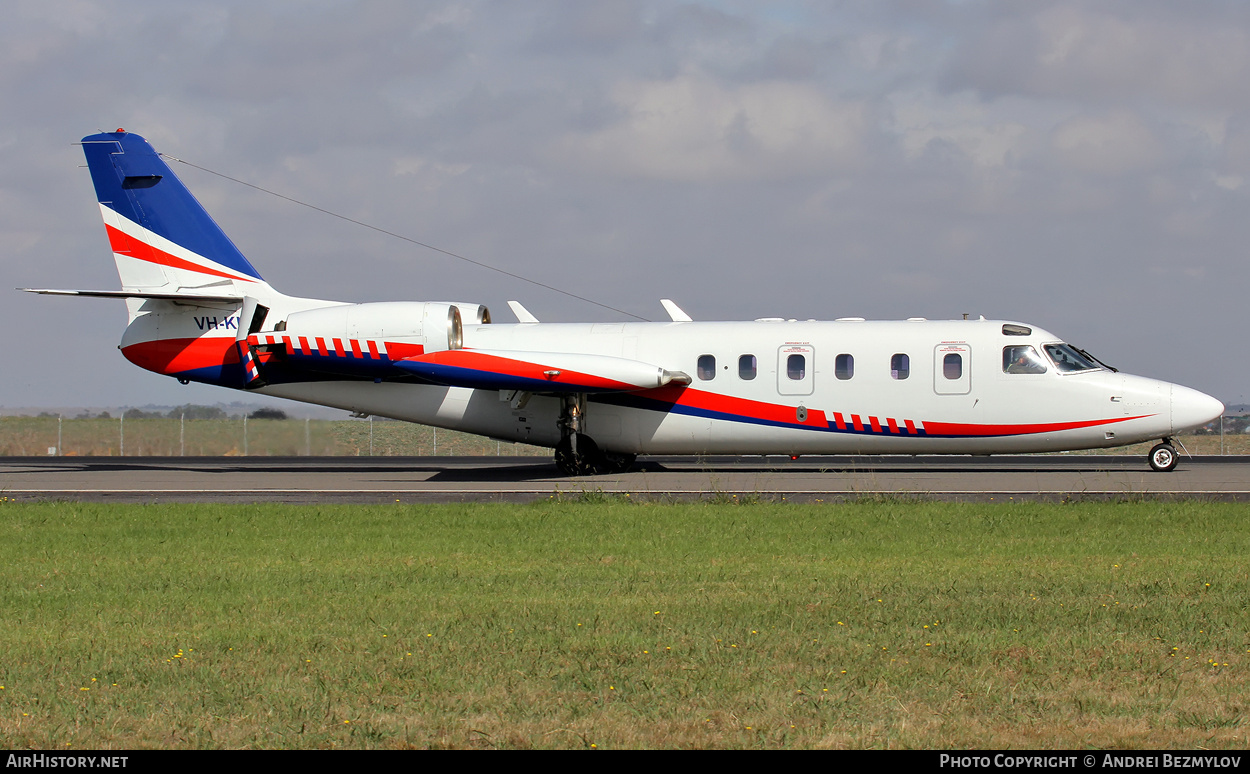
x=1163 y=458
x=568 y=463
x=585 y=461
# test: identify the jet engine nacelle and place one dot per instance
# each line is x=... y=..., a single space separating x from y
x=436 y=326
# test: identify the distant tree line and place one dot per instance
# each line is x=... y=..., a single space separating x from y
x=267 y=413
x=188 y=411
x=1232 y=426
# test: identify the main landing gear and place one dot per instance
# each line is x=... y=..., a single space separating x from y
x=1163 y=456
x=577 y=454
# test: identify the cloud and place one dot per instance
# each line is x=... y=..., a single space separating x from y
x=693 y=128
x=986 y=141
x=1236 y=145
x=1118 y=52
x=1112 y=143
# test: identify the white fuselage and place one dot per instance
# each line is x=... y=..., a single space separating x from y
x=815 y=405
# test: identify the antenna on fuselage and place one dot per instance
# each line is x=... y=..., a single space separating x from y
x=522 y=314
x=674 y=311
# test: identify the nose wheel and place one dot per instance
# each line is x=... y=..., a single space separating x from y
x=1163 y=457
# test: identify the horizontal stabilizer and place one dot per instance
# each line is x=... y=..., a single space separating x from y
x=540 y=372
x=187 y=298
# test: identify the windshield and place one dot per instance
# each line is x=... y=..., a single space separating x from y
x=1067 y=359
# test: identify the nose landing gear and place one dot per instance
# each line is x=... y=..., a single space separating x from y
x=1163 y=456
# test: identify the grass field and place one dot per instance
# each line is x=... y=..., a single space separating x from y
x=598 y=622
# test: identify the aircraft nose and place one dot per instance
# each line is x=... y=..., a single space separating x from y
x=1191 y=408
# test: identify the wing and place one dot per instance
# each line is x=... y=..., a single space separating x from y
x=541 y=372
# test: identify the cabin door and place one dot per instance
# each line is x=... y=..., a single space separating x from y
x=952 y=369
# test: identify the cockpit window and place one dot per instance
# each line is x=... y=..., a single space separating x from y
x=1068 y=360
x=1022 y=359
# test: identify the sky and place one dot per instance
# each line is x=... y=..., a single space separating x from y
x=1082 y=167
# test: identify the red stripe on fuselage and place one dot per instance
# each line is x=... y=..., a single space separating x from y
x=755 y=410
x=172 y=356
x=960 y=428
x=400 y=351
x=741 y=407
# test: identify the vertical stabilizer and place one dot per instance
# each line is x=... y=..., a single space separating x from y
x=161 y=236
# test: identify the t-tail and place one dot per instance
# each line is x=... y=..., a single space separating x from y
x=199 y=311
x=162 y=238
x=192 y=296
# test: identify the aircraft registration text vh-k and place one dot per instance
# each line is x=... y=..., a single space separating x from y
x=602 y=393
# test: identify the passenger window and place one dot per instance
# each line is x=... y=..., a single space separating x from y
x=844 y=367
x=900 y=366
x=746 y=367
x=1022 y=360
x=953 y=366
x=796 y=367
x=707 y=367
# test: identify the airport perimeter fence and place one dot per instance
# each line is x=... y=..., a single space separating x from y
x=168 y=437
x=22 y=436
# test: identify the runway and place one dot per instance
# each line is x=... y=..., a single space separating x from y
x=524 y=479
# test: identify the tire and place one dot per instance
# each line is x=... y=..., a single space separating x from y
x=587 y=461
x=568 y=463
x=1163 y=458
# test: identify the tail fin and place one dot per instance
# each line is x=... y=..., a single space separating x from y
x=162 y=238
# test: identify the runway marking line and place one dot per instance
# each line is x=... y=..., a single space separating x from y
x=571 y=492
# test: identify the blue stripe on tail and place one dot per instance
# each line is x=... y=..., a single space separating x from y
x=134 y=181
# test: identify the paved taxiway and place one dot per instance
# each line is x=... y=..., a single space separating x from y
x=522 y=479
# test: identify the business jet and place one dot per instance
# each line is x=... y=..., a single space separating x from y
x=601 y=393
